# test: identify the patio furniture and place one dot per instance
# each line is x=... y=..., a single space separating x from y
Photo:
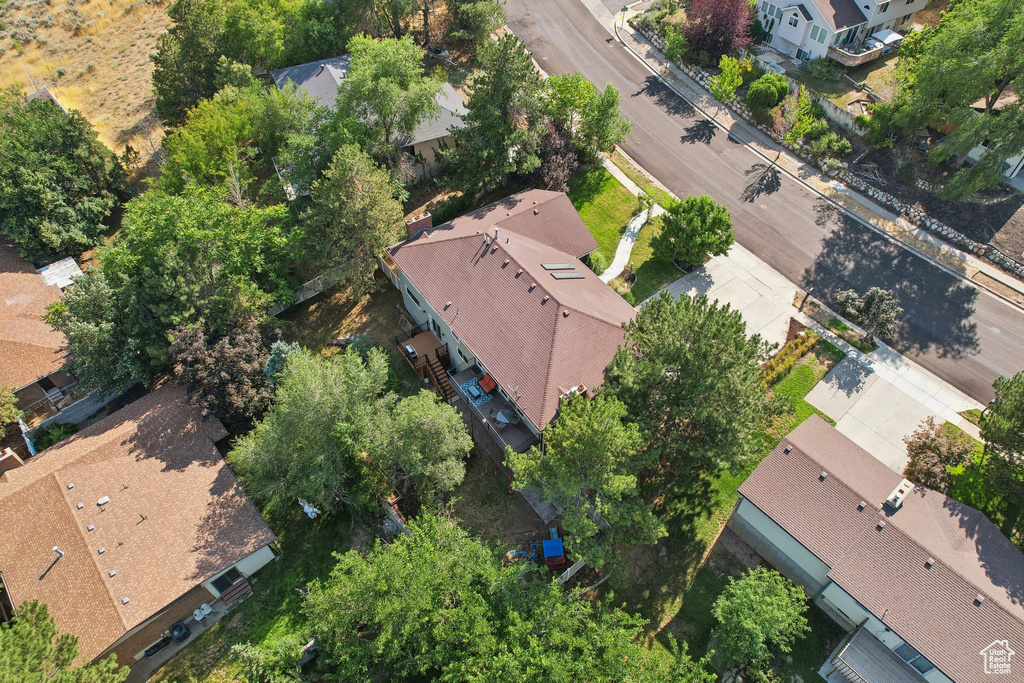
x=488 y=384
x=198 y=615
x=504 y=417
x=474 y=391
x=206 y=609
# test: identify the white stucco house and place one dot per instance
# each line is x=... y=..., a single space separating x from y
x=922 y=583
x=812 y=29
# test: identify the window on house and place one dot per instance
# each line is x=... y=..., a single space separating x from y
x=819 y=34
x=778 y=13
x=793 y=21
x=437 y=329
x=413 y=297
x=764 y=7
x=883 y=8
x=461 y=355
x=910 y=2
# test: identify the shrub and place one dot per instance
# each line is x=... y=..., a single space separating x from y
x=598 y=262
x=783 y=361
x=825 y=69
x=767 y=91
x=830 y=145
x=907 y=173
x=749 y=70
x=630 y=298
x=817 y=129
x=450 y=208
x=52 y=435
x=675 y=44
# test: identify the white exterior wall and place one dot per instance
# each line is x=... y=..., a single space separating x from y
x=789 y=556
x=898 y=15
x=1014 y=165
x=838 y=599
x=248 y=565
x=787 y=38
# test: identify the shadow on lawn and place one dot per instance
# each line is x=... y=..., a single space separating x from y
x=585 y=187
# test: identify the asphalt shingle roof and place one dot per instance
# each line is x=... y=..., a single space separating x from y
x=176 y=517
x=530 y=330
x=840 y=14
x=886 y=567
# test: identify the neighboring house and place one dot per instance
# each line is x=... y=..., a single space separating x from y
x=320 y=80
x=31 y=352
x=503 y=306
x=1013 y=166
x=923 y=583
x=813 y=29
x=128 y=527
x=45 y=94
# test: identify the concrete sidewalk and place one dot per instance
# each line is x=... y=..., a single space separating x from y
x=876 y=399
x=944 y=255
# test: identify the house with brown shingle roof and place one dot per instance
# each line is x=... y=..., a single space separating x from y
x=32 y=355
x=922 y=582
x=505 y=315
x=128 y=527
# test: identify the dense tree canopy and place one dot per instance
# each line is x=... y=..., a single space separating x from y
x=691 y=378
x=226 y=377
x=436 y=604
x=759 y=614
x=221 y=135
x=32 y=650
x=386 y=95
x=693 y=229
x=590 y=116
x=1002 y=424
x=589 y=463
x=974 y=54
x=352 y=217
x=58 y=183
x=717 y=27
x=876 y=311
x=503 y=126
x=177 y=259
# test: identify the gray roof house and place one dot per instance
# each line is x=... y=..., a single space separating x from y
x=321 y=79
x=924 y=585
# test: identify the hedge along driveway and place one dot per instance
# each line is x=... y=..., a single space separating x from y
x=604 y=205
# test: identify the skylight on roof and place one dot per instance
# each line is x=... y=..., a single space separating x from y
x=558 y=266
x=573 y=275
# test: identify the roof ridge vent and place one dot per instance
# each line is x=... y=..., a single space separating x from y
x=899 y=494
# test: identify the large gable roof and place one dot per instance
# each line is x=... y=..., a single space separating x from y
x=29 y=348
x=840 y=14
x=531 y=330
x=922 y=569
x=176 y=517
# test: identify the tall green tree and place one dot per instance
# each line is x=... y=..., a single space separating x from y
x=590 y=115
x=177 y=259
x=185 y=61
x=313 y=442
x=33 y=650
x=473 y=21
x=691 y=378
x=439 y=605
x=504 y=123
x=424 y=446
x=352 y=217
x=973 y=55
x=235 y=125
x=386 y=95
x=693 y=229
x=759 y=614
x=58 y=183
x=1002 y=424
x=729 y=78
x=589 y=463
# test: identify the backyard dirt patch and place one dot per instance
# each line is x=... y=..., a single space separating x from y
x=1000 y=224
x=94 y=56
x=487 y=508
x=333 y=314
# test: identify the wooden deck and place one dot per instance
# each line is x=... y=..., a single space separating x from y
x=518 y=437
x=865 y=659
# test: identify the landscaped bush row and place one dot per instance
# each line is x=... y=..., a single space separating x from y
x=788 y=356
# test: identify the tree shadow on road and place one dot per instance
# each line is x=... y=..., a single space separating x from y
x=702 y=131
x=665 y=97
x=937 y=305
x=765 y=179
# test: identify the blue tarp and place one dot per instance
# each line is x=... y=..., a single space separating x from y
x=553 y=548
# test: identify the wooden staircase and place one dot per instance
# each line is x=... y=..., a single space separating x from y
x=239 y=590
x=440 y=377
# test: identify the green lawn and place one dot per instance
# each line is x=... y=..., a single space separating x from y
x=272 y=614
x=673 y=584
x=879 y=75
x=850 y=335
x=972 y=485
x=604 y=205
x=645 y=184
x=652 y=272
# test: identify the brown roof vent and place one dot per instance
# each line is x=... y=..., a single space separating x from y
x=532 y=285
x=447 y=305
x=519 y=272
x=823 y=476
x=861 y=505
x=929 y=562
x=978 y=599
x=565 y=313
x=536 y=212
x=546 y=297
x=880 y=525
x=505 y=263
x=788 y=449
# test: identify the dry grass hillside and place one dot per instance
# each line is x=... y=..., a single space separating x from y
x=94 y=56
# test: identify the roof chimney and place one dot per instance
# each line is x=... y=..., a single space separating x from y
x=423 y=221
x=895 y=500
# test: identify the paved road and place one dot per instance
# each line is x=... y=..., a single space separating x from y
x=961 y=334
